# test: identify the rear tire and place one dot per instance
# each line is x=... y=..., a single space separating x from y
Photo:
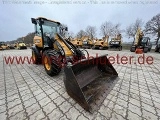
x=93 y=47
x=133 y=49
x=159 y=50
x=120 y=48
x=156 y=49
x=145 y=50
x=52 y=62
x=149 y=50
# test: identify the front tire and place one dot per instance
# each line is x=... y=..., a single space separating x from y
x=101 y=48
x=52 y=61
x=35 y=57
x=133 y=49
x=156 y=49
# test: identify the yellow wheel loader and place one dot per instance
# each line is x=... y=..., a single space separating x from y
x=87 y=80
x=116 y=42
x=101 y=43
x=20 y=45
x=4 y=46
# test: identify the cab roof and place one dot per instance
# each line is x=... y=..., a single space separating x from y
x=47 y=19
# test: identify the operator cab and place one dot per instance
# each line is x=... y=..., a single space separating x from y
x=45 y=31
x=146 y=42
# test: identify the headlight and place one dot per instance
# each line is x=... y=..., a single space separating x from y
x=116 y=42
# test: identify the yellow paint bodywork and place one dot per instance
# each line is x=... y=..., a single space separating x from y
x=102 y=42
x=86 y=38
x=77 y=42
x=4 y=47
x=47 y=63
x=67 y=51
x=139 y=35
x=38 y=41
x=99 y=43
x=90 y=42
x=21 y=44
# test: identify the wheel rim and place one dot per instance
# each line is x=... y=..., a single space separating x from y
x=47 y=63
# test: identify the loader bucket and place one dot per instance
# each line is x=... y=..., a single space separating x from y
x=89 y=81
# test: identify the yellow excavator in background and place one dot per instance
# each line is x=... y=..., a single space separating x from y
x=116 y=42
x=141 y=44
x=87 y=42
x=101 y=43
x=86 y=79
x=77 y=42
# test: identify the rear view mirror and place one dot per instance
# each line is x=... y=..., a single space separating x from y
x=34 y=21
x=66 y=28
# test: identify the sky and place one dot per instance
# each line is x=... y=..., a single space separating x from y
x=15 y=15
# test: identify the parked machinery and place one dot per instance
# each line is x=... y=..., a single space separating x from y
x=77 y=42
x=87 y=42
x=141 y=43
x=20 y=45
x=116 y=42
x=101 y=43
x=3 y=46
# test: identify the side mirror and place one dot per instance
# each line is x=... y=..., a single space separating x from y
x=34 y=21
x=66 y=28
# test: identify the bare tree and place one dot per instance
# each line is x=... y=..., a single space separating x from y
x=116 y=29
x=109 y=29
x=106 y=29
x=132 y=29
x=138 y=24
x=91 y=31
x=153 y=27
x=81 y=33
x=71 y=34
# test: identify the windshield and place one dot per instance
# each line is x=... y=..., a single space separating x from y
x=2 y=43
x=20 y=42
x=144 y=40
x=113 y=39
x=50 y=27
x=85 y=42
